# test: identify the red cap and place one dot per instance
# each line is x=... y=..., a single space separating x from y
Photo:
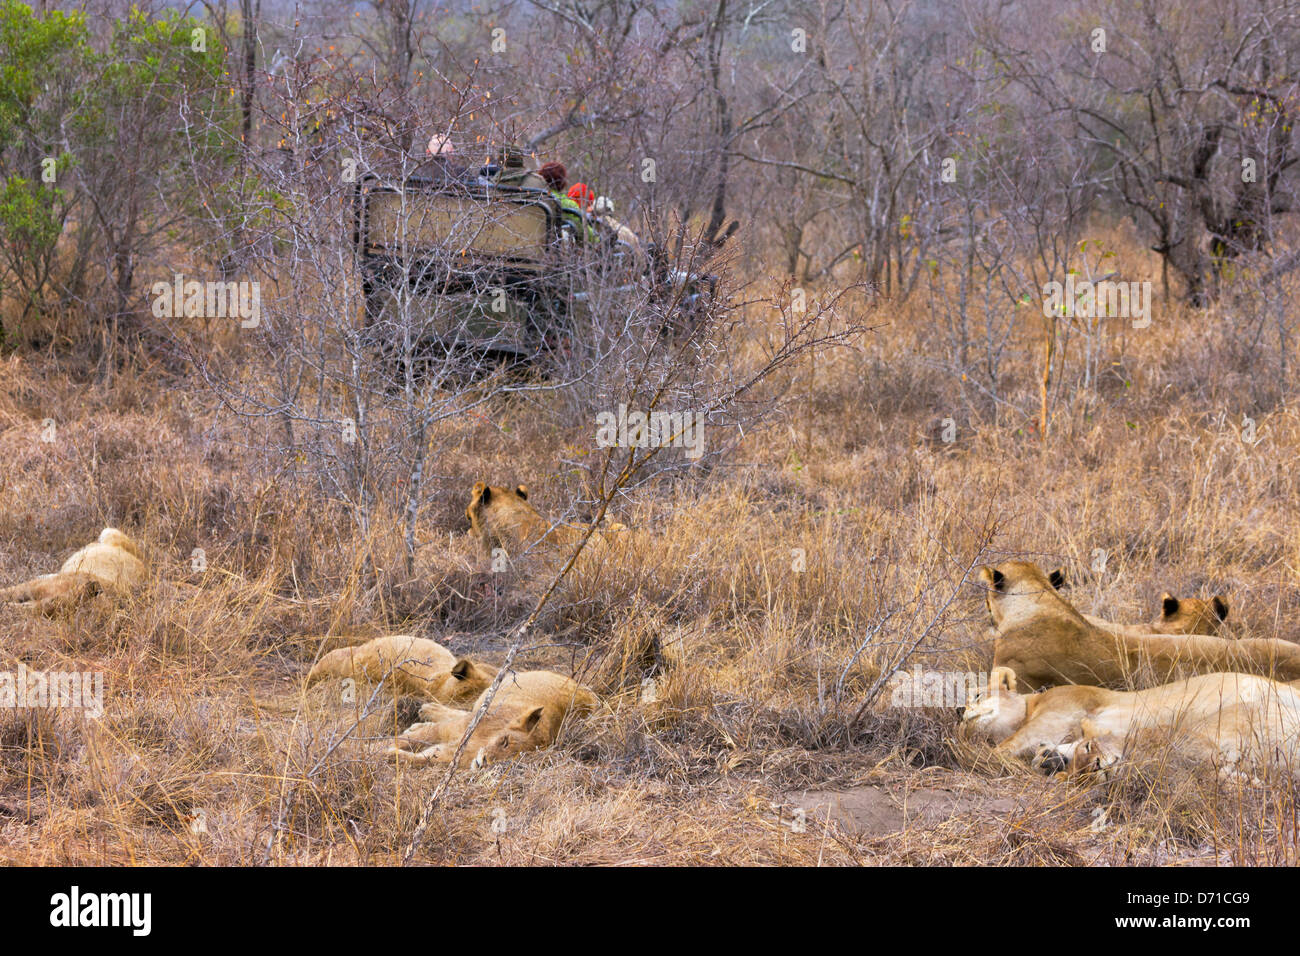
x=582 y=194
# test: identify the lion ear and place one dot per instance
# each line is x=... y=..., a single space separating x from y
x=1057 y=578
x=481 y=492
x=992 y=577
x=1002 y=680
x=1220 y=607
x=526 y=722
x=522 y=492
x=460 y=670
x=1168 y=604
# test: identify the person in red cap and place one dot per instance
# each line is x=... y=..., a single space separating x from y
x=557 y=179
x=581 y=194
x=586 y=200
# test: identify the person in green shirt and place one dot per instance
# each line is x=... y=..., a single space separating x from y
x=557 y=181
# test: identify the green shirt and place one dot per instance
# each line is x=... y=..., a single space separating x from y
x=571 y=210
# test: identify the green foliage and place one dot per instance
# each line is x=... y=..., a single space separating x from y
x=141 y=127
x=30 y=49
x=42 y=71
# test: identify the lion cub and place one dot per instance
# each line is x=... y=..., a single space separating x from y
x=112 y=563
x=1226 y=719
x=1045 y=641
x=1177 y=615
x=407 y=664
x=504 y=518
x=526 y=714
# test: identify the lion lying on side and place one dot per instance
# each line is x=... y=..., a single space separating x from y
x=504 y=518
x=1177 y=615
x=1231 y=720
x=407 y=664
x=112 y=563
x=1045 y=641
x=526 y=714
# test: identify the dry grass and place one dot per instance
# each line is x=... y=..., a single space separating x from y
x=757 y=692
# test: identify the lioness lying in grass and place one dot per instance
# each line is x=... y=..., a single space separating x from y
x=407 y=664
x=110 y=564
x=1233 y=721
x=505 y=518
x=526 y=714
x=1045 y=641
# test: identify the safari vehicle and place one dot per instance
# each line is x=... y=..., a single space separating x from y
x=487 y=265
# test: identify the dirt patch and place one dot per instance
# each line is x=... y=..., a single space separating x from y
x=879 y=811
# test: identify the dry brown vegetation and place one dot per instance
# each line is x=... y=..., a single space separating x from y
x=762 y=665
x=884 y=191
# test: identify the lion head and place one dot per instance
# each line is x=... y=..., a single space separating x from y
x=463 y=683
x=503 y=517
x=998 y=713
x=1190 y=615
x=1017 y=591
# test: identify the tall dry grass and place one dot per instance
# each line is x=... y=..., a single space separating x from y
x=736 y=637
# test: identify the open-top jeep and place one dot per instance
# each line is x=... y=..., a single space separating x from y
x=491 y=267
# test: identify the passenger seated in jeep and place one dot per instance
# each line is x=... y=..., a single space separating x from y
x=557 y=181
x=441 y=162
x=601 y=209
x=510 y=167
x=581 y=194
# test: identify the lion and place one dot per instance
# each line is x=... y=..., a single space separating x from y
x=1190 y=615
x=1231 y=720
x=112 y=563
x=505 y=518
x=526 y=714
x=1177 y=615
x=407 y=665
x=1045 y=641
